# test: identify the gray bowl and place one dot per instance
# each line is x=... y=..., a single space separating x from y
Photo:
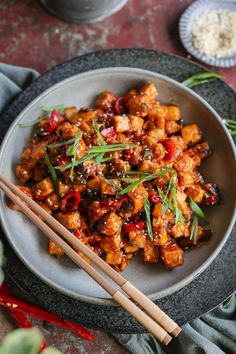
x=81 y=89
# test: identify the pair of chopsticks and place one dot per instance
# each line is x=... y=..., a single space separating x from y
x=147 y=313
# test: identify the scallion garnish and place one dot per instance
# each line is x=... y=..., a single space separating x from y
x=196 y=209
x=59 y=107
x=146 y=178
x=231 y=125
x=201 y=78
x=112 y=184
x=30 y=124
x=147 y=210
x=96 y=128
x=73 y=150
x=194 y=229
x=52 y=171
x=56 y=145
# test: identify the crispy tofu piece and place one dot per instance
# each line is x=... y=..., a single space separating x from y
x=139 y=105
x=23 y=174
x=131 y=249
x=158 y=151
x=111 y=243
x=136 y=123
x=150 y=253
x=120 y=165
x=114 y=258
x=191 y=134
x=172 y=113
x=62 y=188
x=121 y=124
x=94 y=183
x=105 y=100
x=24 y=189
x=42 y=189
x=55 y=249
x=172 y=127
x=110 y=224
x=157 y=134
x=203 y=150
x=185 y=164
x=149 y=90
x=172 y=256
x=147 y=165
x=67 y=130
x=70 y=112
x=124 y=263
x=53 y=201
x=137 y=196
x=185 y=178
x=137 y=238
x=81 y=150
x=45 y=207
x=195 y=192
x=157 y=210
x=180 y=230
x=96 y=210
x=38 y=151
x=160 y=236
x=108 y=189
x=183 y=205
x=70 y=220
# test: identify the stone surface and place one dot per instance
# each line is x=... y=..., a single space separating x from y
x=31 y=37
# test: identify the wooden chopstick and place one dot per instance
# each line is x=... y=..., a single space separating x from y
x=156 y=313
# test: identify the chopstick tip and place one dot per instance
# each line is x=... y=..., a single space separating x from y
x=176 y=331
x=166 y=340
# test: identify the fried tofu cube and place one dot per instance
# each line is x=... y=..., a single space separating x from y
x=150 y=90
x=62 y=188
x=55 y=249
x=180 y=229
x=131 y=249
x=53 y=201
x=111 y=243
x=191 y=134
x=105 y=100
x=67 y=130
x=185 y=164
x=96 y=210
x=81 y=150
x=109 y=189
x=13 y=205
x=150 y=253
x=172 y=113
x=23 y=174
x=121 y=124
x=114 y=258
x=70 y=220
x=70 y=112
x=157 y=134
x=42 y=189
x=94 y=183
x=136 y=123
x=158 y=151
x=160 y=236
x=185 y=178
x=139 y=105
x=196 y=192
x=137 y=196
x=110 y=224
x=45 y=207
x=137 y=238
x=172 y=127
x=172 y=256
x=157 y=210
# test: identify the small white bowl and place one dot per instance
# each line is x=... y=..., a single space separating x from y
x=185 y=30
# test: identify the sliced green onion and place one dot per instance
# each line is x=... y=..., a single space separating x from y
x=59 y=107
x=96 y=128
x=30 y=124
x=55 y=145
x=147 y=178
x=196 y=209
x=194 y=229
x=52 y=172
x=231 y=125
x=73 y=150
x=112 y=184
x=201 y=78
x=147 y=210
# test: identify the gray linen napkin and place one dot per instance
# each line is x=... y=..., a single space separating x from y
x=213 y=333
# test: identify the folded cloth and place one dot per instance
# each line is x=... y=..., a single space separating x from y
x=213 y=333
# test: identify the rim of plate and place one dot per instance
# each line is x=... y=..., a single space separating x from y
x=101 y=301
x=185 y=22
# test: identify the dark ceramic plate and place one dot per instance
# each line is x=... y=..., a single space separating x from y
x=182 y=305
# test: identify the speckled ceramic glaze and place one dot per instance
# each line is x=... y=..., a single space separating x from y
x=221 y=282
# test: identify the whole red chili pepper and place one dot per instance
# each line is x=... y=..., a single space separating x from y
x=133 y=226
x=169 y=146
x=211 y=200
x=121 y=105
x=20 y=306
x=71 y=202
x=109 y=132
x=52 y=122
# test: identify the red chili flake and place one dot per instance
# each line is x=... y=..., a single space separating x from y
x=211 y=200
x=142 y=136
x=121 y=105
x=116 y=204
x=62 y=160
x=128 y=154
x=109 y=133
x=133 y=226
x=169 y=146
x=71 y=201
x=52 y=122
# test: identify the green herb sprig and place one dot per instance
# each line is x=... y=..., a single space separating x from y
x=58 y=107
x=52 y=172
x=194 y=229
x=30 y=124
x=231 y=125
x=197 y=214
x=147 y=210
x=201 y=78
x=146 y=178
x=72 y=150
x=56 y=145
